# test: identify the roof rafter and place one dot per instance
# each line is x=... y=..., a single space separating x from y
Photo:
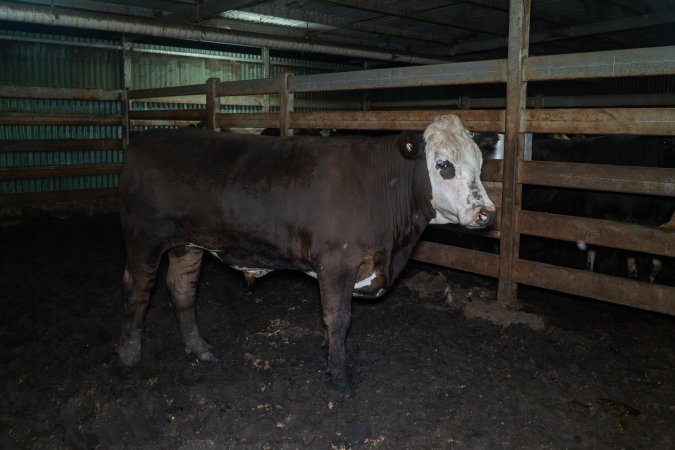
x=208 y=9
x=406 y=13
x=537 y=13
x=294 y=14
x=588 y=29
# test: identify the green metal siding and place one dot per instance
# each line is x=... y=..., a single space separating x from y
x=59 y=61
x=59 y=64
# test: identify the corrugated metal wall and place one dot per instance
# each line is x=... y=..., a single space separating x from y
x=59 y=61
x=62 y=62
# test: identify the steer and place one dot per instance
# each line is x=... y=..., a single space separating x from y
x=346 y=210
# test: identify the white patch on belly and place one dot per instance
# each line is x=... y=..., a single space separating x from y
x=213 y=252
x=365 y=282
x=254 y=272
x=312 y=274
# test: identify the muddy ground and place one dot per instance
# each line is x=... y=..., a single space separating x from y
x=435 y=370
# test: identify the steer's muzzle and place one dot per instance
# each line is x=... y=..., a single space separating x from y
x=484 y=218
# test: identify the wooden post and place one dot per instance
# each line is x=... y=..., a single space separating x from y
x=265 y=55
x=286 y=104
x=126 y=121
x=212 y=103
x=126 y=85
x=516 y=97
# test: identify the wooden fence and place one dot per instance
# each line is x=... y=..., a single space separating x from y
x=504 y=178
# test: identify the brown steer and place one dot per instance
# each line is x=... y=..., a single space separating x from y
x=346 y=210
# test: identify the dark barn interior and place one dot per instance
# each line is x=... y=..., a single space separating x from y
x=553 y=328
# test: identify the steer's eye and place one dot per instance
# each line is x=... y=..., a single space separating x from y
x=445 y=168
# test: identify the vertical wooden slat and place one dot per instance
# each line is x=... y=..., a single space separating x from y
x=212 y=103
x=265 y=55
x=126 y=85
x=286 y=105
x=126 y=121
x=516 y=96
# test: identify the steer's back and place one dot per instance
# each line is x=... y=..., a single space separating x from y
x=219 y=190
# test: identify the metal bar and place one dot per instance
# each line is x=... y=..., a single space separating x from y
x=516 y=97
x=606 y=64
x=648 y=296
x=475 y=120
x=60 y=145
x=493 y=71
x=20 y=173
x=603 y=177
x=654 y=240
x=652 y=121
x=457 y=258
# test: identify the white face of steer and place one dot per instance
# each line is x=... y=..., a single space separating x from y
x=454 y=162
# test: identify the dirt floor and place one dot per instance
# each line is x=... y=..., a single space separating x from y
x=438 y=364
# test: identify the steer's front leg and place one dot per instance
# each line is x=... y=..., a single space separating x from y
x=336 y=283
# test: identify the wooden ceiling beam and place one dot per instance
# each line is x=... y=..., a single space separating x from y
x=430 y=17
x=294 y=14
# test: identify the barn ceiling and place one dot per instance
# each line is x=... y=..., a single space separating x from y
x=407 y=30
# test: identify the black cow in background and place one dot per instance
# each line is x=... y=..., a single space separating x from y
x=639 y=151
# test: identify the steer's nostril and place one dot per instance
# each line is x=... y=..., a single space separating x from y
x=485 y=217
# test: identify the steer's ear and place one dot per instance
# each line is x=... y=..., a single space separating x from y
x=410 y=144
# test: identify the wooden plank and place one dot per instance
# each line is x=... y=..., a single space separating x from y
x=58 y=119
x=493 y=71
x=20 y=173
x=286 y=105
x=492 y=170
x=249 y=87
x=457 y=258
x=646 y=121
x=169 y=114
x=60 y=145
x=639 y=238
x=212 y=103
x=603 y=177
x=252 y=120
x=58 y=196
x=475 y=120
x=40 y=92
x=606 y=64
x=637 y=294
x=177 y=91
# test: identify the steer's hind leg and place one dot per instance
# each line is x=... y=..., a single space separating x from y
x=138 y=279
x=184 y=266
x=336 y=285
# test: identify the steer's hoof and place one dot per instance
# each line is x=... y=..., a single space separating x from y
x=207 y=356
x=343 y=386
x=129 y=352
x=203 y=351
